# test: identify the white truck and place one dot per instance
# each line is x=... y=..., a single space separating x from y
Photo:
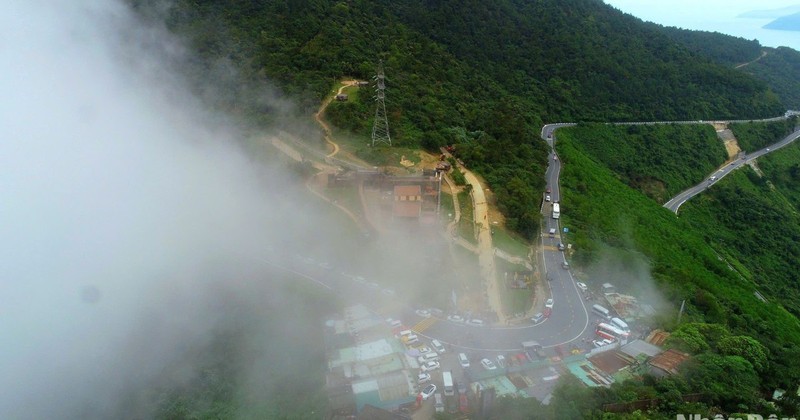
x=447 y=378
x=556 y=211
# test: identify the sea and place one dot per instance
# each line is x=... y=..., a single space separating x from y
x=748 y=28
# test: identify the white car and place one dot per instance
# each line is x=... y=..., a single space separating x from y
x=428 y=391
x=463 y=360
x=539 y=317
x=488 y=364
x=394 y=323
x=423 y=377
x=423 y=313
x=501 y=360
x=582 y=286
x=549 y=303
x=456 y=318
x=476 y=322
x=547 y=198
x=437 y=346
x=601 y=343
x=429 y=366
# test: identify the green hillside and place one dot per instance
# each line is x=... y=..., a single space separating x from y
x=725 y=246
x=659 y=160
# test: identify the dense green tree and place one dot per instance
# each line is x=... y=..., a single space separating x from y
x=747 y=348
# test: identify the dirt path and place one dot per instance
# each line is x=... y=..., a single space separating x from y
x=319 y=116
x=763 y=54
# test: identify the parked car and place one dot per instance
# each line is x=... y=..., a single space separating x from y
x=538 y=318
x=549 y=303
x=565 y=265
x=423 y=313
x=423 y=377
x=429 y=366
x=601 y=343
x=394 y=323
x=455 y=318
x=548 y=190
x=463 y=360
x=547 y=312
x=428 y=391
x=501 y=360
x=488 y=364
x=582 y=286
x=561 y=246
x=547 y=198
x=437 y=346
x=476 y=322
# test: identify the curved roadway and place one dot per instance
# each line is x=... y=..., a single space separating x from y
x=675 y=202
x=569 y=320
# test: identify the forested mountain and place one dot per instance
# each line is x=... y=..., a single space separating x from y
x=495 y=69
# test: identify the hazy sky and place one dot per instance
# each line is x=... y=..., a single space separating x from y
x=713 y=15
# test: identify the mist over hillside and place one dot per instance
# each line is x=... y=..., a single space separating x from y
x=134 y=225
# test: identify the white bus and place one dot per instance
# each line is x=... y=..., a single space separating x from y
x=556 y=211
x=611 y=332
x=447 y=378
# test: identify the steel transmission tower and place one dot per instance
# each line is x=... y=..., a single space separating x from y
x=380 y=129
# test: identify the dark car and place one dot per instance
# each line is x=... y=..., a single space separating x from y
x=548 y=190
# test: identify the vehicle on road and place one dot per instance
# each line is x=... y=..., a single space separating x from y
x=394 y=323
x=565 y=265
x=463 y=404
x=549 y=303
x=475 y=322
x=602 y=342
x=712 y=179
x=556 y=211
x=456 y=318
x=501 y=360
x=619 y=323
x=423 y=377
x=561 y=246
x=547 y=312
x=429 y=366
x=533 y=350
x=768 y=149
x=463 y=360
x=552 y=232
x=428 y=391
x=427 y=357
x=438 y=405
x=547 y=198
x=437 y=345
x=423 y=313
x=539 y=317
x=582 y=286
x=447 y=378
x=547 y=190
x=602 y=311
x=488 y=364
x=610 y=332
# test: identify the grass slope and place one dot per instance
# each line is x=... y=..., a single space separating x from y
x=603 y=213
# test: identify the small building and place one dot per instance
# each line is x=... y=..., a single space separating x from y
x=667 y=363
x=342 y=97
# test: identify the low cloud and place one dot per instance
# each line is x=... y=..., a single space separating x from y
x=126 y=207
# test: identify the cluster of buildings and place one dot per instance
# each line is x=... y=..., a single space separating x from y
x=367 y=365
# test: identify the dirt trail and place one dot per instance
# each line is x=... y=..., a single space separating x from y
x=763 y=54
x=321 y=113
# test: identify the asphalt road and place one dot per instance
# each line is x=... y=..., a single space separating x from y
x=675 y=202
